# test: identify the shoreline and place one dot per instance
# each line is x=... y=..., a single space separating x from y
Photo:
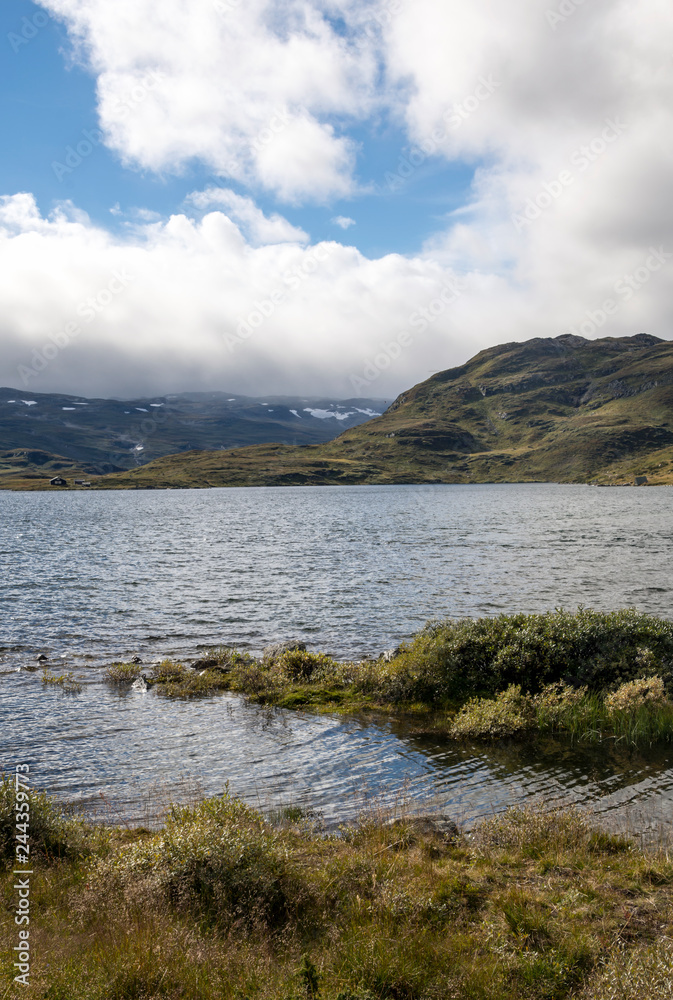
x=43 y=486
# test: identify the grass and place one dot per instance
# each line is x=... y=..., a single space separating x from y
x=223 y=903
x=590 y=674
x=66 y=681
x=637 y=711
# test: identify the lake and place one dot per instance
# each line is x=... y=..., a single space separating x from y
x=91 y=577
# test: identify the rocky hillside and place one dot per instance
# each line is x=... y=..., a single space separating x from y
x=562 y=410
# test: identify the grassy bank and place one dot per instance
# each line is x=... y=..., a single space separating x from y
x=589 y=673
x=223 y=903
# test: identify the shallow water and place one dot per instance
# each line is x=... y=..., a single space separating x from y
x=91 y=577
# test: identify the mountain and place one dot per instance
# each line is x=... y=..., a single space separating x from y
x=107 y=435
x=561 y=409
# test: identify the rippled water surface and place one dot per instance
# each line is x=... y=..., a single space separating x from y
x=90 y=577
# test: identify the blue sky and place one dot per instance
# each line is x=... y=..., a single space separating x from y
x=195 y=245
x=48 y=101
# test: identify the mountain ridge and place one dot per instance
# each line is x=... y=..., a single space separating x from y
x=561 y=409
x=99 y=435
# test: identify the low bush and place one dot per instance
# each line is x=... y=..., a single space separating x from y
x=633 y=695
x=638 y=710
x=65 y=681
x=121 y=674
x=300 y=666
x=53 y=833
x=455 y=660
x=219 y=861
x=509 y=713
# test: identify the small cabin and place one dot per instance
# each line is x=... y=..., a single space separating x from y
x=58 y=481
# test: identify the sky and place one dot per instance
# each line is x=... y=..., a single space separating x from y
x=325 y=198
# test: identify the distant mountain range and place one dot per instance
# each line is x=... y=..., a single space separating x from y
x=106 y=435
x=555 y=410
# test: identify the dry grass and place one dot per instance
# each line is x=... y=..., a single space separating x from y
x=224 y=904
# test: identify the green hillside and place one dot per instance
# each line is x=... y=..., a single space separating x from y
x=556 y=410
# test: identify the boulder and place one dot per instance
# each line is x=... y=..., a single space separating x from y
x=428 y=826
x=389 y=654
x=640 y=481
x=276 y=649
x=42 y=658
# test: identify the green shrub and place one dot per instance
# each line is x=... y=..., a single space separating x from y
x=168 y=672
x=121 y=673
x=634 y=694
x=220 y=861
x=300 y=666
x=52 y=832
x=455 y=660
x=508 y=713
x=66 y=682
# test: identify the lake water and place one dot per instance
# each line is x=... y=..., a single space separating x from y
x=91 y=577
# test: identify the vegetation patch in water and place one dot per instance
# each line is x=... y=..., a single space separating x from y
x=65 y=681
x=586 y=673
x=223 y=904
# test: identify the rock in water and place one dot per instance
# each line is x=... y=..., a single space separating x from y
x=140 y=684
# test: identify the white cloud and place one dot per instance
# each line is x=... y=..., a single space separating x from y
x=258 y=227
x=202 y=307
x=343 y=221
x=248 y=89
